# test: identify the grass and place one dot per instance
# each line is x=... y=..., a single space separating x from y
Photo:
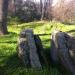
x=9 y=62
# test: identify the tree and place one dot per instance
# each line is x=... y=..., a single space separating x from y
x=41 y=9
x=3 y=16
x=70 y=12
x=11 y=8
x=45 y=7
x=66 y=12
x=59 y=14
x=28 y=12
x=48 y=9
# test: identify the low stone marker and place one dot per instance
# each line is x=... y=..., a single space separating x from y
x=27 y=49
x=63 y=47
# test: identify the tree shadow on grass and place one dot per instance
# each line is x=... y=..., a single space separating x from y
x=10 y=35
x=10 y=38
x=71 y=31
x=12 y=65
x=10 y=42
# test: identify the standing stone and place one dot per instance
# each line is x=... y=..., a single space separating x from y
x=27 y=50
x=71 y=46
x=62 y=51
x=34 y=58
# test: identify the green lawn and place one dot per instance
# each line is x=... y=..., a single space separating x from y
x=9 y=62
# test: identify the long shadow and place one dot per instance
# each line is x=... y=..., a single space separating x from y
x=71 y=31
x=9 y=35
x=43 y=34
x=13 y=61
x=11 y=65
x=10 y=38
x=10 y=42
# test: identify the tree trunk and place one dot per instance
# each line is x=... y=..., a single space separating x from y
x=3 y=16
x=42 y=9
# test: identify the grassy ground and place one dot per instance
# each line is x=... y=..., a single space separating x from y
x=9 y=62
